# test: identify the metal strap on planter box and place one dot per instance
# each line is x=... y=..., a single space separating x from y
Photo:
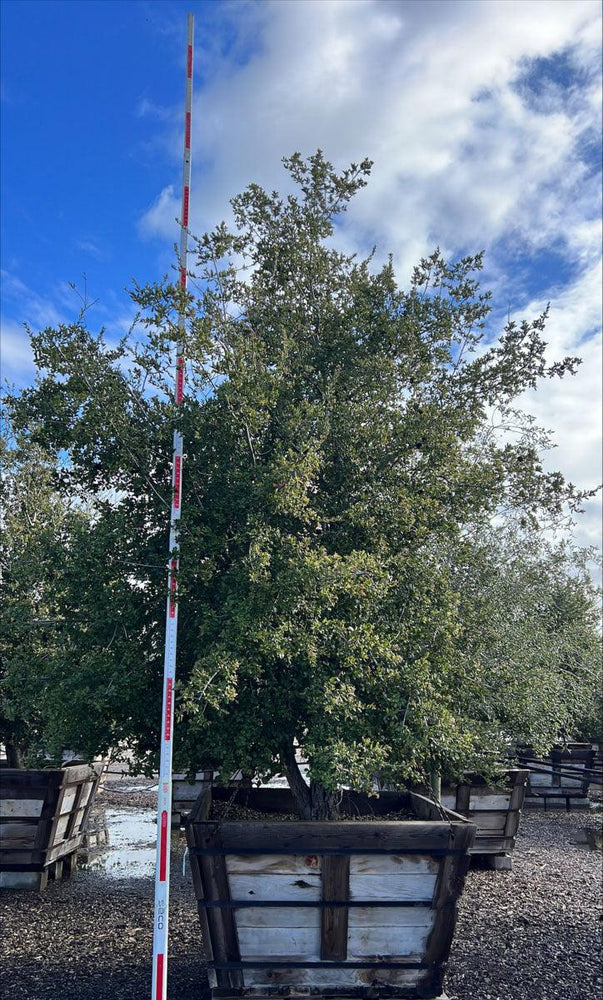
x=402 y=964
x=436 y=852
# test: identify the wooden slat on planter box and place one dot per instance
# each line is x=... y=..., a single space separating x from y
x=335 y=883
x=220 y=922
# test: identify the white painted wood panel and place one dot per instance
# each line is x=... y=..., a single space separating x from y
x=277 y=916
x=409 y=886
x=21 y=807
x=302 y=944
x=392 y=864
x=386 y=916
x=61 y=828
x=540 y=779
x=275 y=886
x=361 y=916
x=330 y=977
x=478 y=802
x=297 y=944
x=294 y=864
x=387 y=942
x=68 y=799
x=86 y=793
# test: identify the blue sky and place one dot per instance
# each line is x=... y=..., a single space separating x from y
x=482 y=117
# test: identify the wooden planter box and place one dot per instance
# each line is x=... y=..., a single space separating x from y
x=495 y=810
x=556 y=779
x=42 y=818
x=352 y=908
x=185 y=792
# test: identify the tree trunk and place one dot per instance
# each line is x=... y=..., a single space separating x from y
x=299 y=789
x=14 y=757
x=312 y=801
x=325 y=804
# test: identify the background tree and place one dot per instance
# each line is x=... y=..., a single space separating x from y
x=529 y=615
x=336 y=432
x=39 y=527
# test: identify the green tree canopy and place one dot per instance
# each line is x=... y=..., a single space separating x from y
x=337 y=434
x=39 y=529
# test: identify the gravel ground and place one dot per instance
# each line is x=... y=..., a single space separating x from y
x=530 y=934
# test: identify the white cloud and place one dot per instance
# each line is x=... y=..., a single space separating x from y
x=36 y=310
x=571 y=406
x=90 y=247
x=16 y=358
x=161 y=216
x=469 y=153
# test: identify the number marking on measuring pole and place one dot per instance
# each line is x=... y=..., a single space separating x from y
x=164 y=795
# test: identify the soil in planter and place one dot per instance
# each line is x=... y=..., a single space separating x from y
x=225 y=811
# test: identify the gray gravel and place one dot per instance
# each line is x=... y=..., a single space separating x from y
x=531 y=934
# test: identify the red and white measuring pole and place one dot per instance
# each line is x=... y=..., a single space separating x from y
x=164 y=801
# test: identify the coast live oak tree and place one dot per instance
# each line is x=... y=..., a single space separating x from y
x=337 y=435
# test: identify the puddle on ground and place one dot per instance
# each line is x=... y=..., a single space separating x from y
x=132 y=839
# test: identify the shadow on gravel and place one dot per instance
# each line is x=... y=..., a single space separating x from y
x=126 y=982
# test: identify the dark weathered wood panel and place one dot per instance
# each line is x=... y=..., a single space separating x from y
x=335 y=887
x=316 y=837
x=219 y=923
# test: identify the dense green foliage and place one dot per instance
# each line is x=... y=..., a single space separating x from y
x=338 y=443
x=39 y=530
x=530 y=634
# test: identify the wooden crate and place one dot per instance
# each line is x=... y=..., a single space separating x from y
x=339 y=909
x=186 y=792
x=42 y=818
x=495 y=810
x=557 y=779
x=95 y=839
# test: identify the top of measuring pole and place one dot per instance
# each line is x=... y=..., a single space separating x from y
x=186 y=179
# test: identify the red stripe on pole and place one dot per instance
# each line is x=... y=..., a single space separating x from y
x=159 y=993
x=177 y=480
x=189 y=62
x=179 y=380
x=187 y=131
x=163 y=847
x=185 y=200
x=183 y=277
x=167 y=734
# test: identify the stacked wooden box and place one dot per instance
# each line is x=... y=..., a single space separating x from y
x=562 y=778
x=496 y=812
x=43 y=814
